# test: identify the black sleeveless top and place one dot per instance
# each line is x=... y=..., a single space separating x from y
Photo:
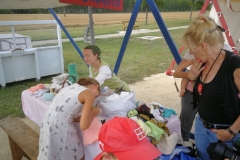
x=219 y=103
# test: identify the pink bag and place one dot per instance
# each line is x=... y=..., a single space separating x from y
x=90 y=135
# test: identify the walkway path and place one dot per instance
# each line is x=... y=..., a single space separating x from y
x=120 y=34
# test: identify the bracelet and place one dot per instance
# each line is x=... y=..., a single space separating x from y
x=191 y=80
x=231 y=132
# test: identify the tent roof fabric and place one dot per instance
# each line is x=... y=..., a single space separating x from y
x=30 y=4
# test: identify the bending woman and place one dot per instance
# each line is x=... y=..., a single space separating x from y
x=102 y=71
x=58 y=135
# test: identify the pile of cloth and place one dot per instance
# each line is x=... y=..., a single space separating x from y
x=48 y=91
x=153 y=119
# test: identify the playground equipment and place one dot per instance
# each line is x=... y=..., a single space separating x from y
x=161 y=25
x=117 y=6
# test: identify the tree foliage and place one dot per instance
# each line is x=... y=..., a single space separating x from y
x=159 y=4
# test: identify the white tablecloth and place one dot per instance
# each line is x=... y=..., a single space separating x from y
x=34 y=108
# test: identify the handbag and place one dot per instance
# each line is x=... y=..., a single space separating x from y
x=168 y=143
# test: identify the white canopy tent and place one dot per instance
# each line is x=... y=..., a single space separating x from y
x=231 y=11
x=30 y=4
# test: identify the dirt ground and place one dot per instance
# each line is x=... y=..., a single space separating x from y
x=99 y=19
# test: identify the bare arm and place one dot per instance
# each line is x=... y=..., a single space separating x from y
x=236 y=125
x=179 y=73
x=87 y=98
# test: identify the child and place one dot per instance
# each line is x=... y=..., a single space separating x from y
x=58 y=136
x=186 y=62
x=121 y=138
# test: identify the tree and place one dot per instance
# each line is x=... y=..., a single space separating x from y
x=159 y=4
x=194 y=4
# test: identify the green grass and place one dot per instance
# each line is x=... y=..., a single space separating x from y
x=111 y=29
x=142 y=58
x=40 y=33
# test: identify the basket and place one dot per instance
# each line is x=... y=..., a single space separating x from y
x=67 y=79
x=72 y=71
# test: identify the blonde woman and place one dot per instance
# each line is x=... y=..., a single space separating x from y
x=58 y=135
x=215 y=75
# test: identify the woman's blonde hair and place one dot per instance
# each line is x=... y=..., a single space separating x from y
x=88 y=81
x=202 y=29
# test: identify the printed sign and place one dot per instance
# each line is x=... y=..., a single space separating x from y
x=106 y=4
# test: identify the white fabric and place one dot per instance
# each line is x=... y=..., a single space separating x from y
x=232 y=18
x=227 y=47
x=115 y=96
x=156 y=115
x=30 y=4
x=173 y=124
x=167 y=143
x=111 y=98
x=188 y=56
x=117 y=107
x=104 y=73
x=58 y=135
x=33 y=107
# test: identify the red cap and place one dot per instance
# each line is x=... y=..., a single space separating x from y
x=126 y=140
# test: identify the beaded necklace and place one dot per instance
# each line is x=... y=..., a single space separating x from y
x=200 y=85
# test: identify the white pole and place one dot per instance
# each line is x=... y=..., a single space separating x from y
x=91 y=25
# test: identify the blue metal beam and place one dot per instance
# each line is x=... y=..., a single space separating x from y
x=66 y=32
x=127 y=34
x=164 y=30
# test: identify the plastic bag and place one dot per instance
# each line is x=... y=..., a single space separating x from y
x=117 y=107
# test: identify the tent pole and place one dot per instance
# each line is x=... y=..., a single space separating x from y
x=91 y=25
x=66 y=32
x=127 y=35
